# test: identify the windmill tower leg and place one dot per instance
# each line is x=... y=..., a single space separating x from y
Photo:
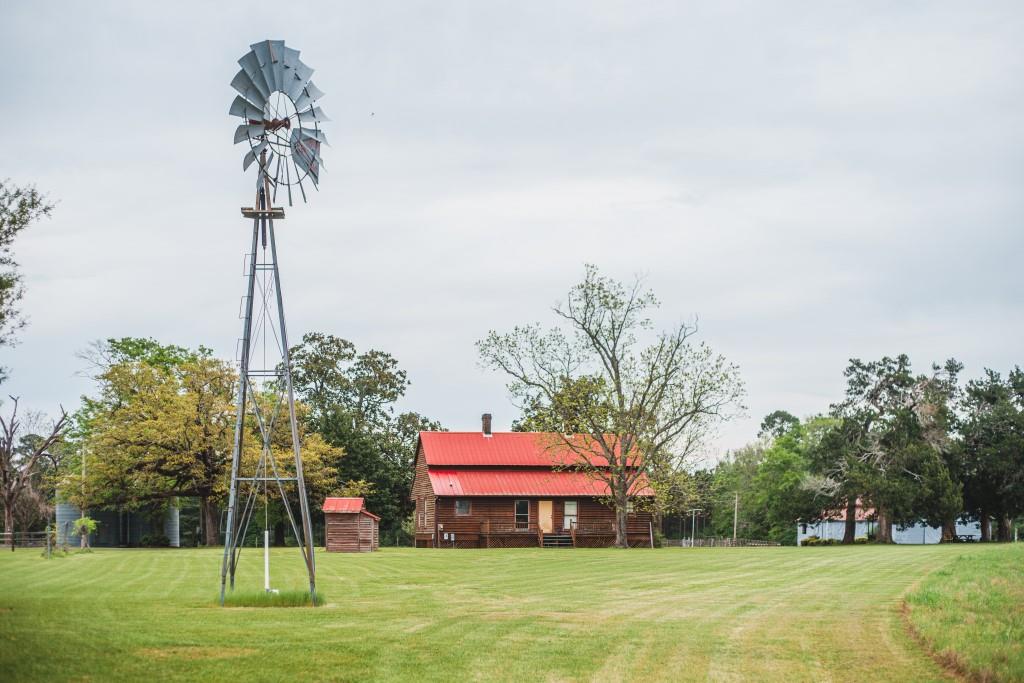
x=230 y=539
x=240 y=514
x=300 y=483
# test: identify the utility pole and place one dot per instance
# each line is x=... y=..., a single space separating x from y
x=693 y=526
x=735 y=515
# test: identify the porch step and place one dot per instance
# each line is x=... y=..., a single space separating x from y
x=557 y=541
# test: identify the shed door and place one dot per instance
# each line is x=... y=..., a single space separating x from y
x=544 y=516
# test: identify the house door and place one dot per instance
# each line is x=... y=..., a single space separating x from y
x=544 y=516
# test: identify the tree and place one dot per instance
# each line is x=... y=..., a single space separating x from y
x=85 y=527
x=778 y=423
x=19 y=464
x=638 y=408
x=328 y=373
x=991 y=461
x=160 y=430
x=351 y=396
x=19 y=208
x=162 y=427
x=891 y=443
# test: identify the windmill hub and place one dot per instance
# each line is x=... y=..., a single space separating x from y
x=273 y=124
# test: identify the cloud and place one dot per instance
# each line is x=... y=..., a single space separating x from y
x=815 y=183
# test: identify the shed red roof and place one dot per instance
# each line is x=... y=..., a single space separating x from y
x=449 y=482
x=347 y=505
x=504 y=449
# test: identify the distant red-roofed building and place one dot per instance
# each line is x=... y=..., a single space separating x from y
x=513 y=489
x=349 y=527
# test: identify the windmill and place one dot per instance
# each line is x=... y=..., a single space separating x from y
x=281 y=124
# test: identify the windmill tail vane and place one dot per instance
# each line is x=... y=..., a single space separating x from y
x=281 y=124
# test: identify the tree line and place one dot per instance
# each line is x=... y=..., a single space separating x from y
x=908 y=447
x=159 y=429
x=633 y=404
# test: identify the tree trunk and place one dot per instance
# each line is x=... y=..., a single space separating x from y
x=884 y=526
x=211 y=522
x=948 y=530
x=83 y=538
x=850 y=532
x=1003 y=533
x=621 y=540
x=986 y=526
x=9 y=523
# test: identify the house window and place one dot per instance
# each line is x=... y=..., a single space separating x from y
x=629 y=507
x=569 y=515
x=462 y=507
x=421 y=512
x=522 y=514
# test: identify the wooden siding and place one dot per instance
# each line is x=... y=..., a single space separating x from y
x=351 y=532
x=424 y=498
x=491 y=523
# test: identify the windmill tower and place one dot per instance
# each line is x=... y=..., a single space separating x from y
x=281 y=124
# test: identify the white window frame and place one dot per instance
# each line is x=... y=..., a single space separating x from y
x=575 y=516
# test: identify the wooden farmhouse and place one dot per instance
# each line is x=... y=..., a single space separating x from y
x=511 y=490
x=349 y=527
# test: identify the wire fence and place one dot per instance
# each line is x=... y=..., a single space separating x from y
x=24 y=539
x=713 y=542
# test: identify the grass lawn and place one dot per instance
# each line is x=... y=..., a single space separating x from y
x=971 y=614
x=764 y=614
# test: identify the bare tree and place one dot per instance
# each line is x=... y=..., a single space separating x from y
x=639 y=410
x=17 y=466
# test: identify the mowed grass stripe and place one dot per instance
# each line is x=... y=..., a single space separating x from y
x=674 y=614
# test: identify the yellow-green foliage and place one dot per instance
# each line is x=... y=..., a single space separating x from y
x=971 y=613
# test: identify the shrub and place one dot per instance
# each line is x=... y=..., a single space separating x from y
x=659 y=539
x=810 y=540
x=154 y=541
x=860 y=540
x=84 y=526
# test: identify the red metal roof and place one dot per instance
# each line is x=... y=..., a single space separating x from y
x=343 y=505
x=506 y=449
x=862 y=514
x=522 y=483
x=347 y=505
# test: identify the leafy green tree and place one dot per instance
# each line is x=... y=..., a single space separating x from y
x=352 y=398
x=778 y=423
x=83 y=528
x=639 y=410
x=780 y=485
x=328 y=373
x=19 y=208
x=894 y=433
x=161 y=427
x=991 y=461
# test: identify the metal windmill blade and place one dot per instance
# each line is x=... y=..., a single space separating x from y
x=277 y=103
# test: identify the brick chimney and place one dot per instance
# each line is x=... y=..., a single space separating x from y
x=485 y=421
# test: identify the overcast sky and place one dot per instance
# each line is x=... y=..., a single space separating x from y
x=815 y=181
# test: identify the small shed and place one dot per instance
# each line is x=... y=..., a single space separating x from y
x=349 y=526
